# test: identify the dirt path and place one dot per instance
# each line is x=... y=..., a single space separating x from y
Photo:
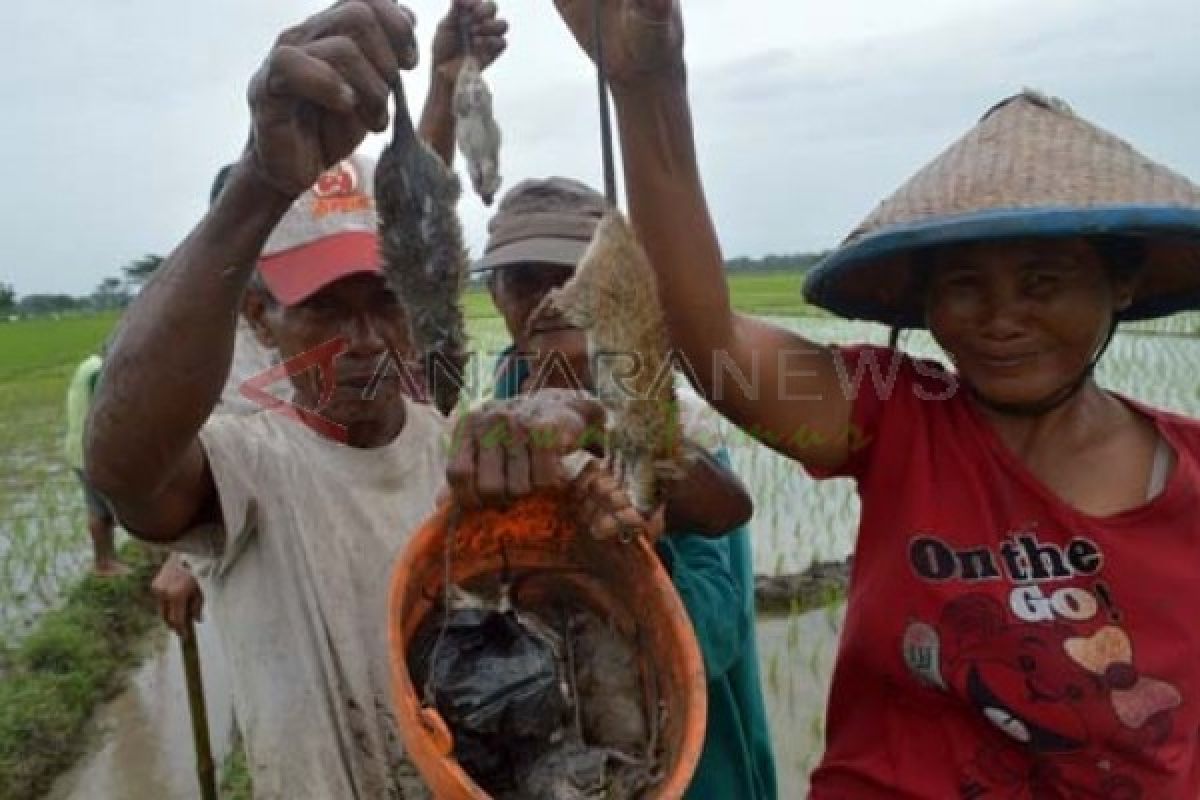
x=143 y=740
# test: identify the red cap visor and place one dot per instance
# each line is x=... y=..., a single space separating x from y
x=296 y=274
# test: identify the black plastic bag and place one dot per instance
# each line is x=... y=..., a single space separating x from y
x=497 y=685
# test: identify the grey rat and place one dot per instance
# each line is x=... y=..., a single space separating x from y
x=424 y=259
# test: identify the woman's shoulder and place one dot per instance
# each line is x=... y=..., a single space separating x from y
x=1183 y=431
x=1180 y=430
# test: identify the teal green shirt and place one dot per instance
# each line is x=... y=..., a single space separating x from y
x=715 y=580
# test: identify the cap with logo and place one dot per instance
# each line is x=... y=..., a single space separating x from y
x=330 y=232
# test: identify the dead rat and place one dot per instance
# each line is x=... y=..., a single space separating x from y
x=424 y=259
x=475 y=127
x=613 y=297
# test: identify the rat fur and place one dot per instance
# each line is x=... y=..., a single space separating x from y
x=613 y=297
x=421 y=242
x=476 y=130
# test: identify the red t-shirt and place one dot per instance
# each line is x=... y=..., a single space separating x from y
x=999 y=643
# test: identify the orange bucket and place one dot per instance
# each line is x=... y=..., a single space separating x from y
x=625 y=581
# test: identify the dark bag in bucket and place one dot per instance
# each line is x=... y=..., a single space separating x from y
x=496 y=684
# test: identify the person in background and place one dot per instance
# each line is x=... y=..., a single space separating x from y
x=100 y=521
x=537 y=237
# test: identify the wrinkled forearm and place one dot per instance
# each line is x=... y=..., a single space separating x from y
x=165 y=370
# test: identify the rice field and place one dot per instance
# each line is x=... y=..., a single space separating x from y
x=43 y=537
x=44 y=547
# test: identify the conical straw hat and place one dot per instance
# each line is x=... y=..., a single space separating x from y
x=1030 y=168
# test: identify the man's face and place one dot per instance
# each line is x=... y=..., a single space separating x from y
x=516 y=291
x=368 y=380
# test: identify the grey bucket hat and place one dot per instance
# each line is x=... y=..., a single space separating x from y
x=548 y=221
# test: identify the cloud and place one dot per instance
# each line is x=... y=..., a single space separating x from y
x=807 y=113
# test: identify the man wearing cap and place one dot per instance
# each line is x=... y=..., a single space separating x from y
x=299 y=510
x=1021 y=618
x=536 y=238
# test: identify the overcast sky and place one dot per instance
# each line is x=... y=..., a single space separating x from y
x=117 y=113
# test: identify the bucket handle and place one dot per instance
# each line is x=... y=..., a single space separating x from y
x=439 y=733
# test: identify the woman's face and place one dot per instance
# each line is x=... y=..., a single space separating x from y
x=1021 y=319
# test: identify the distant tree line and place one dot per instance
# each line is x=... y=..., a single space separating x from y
x=109 y=295
x=115 y=293
x=789 y=262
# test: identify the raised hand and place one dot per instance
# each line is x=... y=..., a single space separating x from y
x=486 y=32
x=324 y=84
x=643 y=39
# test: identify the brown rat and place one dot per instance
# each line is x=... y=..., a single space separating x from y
x=613 y=297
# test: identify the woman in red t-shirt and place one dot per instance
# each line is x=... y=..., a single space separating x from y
x=1022 y=611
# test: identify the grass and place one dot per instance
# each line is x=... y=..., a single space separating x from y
x=235 y=776
x=73 y=660
x=35 y=347
x=41 y=523
x=771 y=294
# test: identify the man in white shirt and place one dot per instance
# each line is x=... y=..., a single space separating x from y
x=298 y=511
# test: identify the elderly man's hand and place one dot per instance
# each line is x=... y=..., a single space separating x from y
x=604 y=509
x=325 y=83
x=511 y=448
x=643 y=39
x=486 y=32
x=179 y=597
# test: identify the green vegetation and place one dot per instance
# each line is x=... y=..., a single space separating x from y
x=34 y=348
x=766 y=293
x=138 y=271
x=42 y=533
x=790 y=262
x=477 y=303
x=770 y=294
x=53 y=680
x=235 y=776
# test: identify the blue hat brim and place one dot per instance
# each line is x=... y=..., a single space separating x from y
x=871 y=278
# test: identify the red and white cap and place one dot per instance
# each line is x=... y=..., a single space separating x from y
x=330 y=232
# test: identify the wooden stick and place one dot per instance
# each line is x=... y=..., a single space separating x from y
x=205 y=770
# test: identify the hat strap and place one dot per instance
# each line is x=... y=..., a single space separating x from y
x=1056 y=398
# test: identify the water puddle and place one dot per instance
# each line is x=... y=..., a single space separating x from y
x=143 y=739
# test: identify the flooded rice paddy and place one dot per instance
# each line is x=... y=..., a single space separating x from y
x=143 y=748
